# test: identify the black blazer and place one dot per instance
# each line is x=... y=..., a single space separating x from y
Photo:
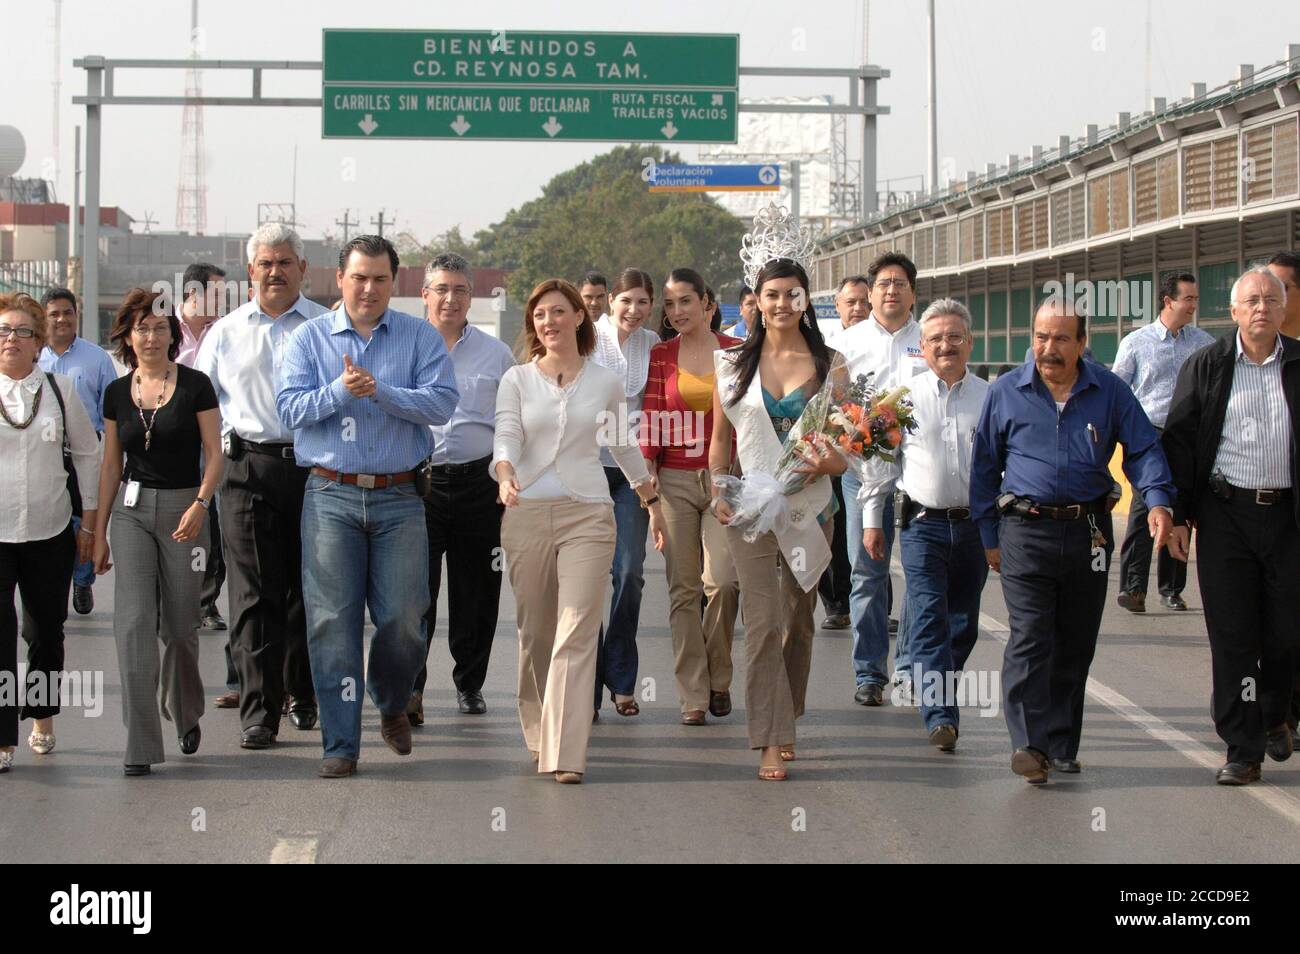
x=1195 y=424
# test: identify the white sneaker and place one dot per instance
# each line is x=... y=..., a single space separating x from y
x=42 y=743
x=6 y=761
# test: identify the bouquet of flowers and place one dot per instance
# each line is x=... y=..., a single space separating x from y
x=846 y=415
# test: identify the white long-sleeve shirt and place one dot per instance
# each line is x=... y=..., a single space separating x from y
x=34 y=502
x=552 y=435
x=934 y=465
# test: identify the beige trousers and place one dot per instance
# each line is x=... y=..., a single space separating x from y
x=699 y=567
x=778 y=638
x=558 y=554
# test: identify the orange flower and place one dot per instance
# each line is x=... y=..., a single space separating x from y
x=895 y=436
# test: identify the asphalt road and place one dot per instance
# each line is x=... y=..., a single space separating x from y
x=867 y=786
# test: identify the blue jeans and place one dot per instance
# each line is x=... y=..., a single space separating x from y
x=946 y=570
x=616 y=656
x=83 y=574
x=362 y=548
x=869 y=593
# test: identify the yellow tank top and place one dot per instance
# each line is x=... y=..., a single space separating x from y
x=696 y=390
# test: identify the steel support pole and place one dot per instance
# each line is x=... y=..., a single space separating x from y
x=90 y=257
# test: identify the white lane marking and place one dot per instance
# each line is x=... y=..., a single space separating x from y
x=294 y=851
x=1281 y=801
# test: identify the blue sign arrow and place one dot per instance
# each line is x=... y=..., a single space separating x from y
x=713 y=178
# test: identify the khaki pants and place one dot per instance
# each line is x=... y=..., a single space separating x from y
x=778 y=638
x=699 y=566
x=558 y=554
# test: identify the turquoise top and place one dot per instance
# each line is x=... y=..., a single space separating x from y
x=785 y=414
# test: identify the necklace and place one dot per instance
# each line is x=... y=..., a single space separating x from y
x=139 y=405
x=36 y=406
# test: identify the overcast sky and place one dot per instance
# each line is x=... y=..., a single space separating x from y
x=1011 y=73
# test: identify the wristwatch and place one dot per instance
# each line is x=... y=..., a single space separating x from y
x=647 y=504
x=205 y=504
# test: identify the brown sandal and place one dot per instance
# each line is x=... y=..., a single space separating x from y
x=787 y=753
x=628 y=708
x=772 y=773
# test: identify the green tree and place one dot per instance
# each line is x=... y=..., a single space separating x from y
x=412 y=251
x=601 y=214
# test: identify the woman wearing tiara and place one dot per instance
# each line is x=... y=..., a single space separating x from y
x=762 y=388
x=623 y=344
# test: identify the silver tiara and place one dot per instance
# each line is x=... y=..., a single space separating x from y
x=774 y=236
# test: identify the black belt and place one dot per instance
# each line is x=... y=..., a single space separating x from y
x=460 y=470
x=1024 y=507
x=915 y=510
x=1264 y=498
x=282 y=451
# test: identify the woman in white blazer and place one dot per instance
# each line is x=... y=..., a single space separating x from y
x=553 y=414
x=762 y=387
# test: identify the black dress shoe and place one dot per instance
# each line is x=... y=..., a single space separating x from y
x=256 y=737
x=1239 y=773
x=303 y=715
x=1174 y=602
x=1068 y=766
x=1133 y=602
x=338 y=768
x=415 y=708
x=869 y=694
x=83 y=599
x=1032 y=764
x=720 y=704
x=212 y=620
x=135 y=770
x=190 y=740
x=471 y=702
x=1280 y=745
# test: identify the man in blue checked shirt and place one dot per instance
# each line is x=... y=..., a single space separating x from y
x=1148 y=361
x=91 y=370
x=360 y=388
x=1040 y=489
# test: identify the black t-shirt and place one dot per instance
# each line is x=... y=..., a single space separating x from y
x=172 y=461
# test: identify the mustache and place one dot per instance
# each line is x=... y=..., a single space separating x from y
x=1051 y=359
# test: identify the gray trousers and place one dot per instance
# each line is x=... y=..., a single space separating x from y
x=156 y=597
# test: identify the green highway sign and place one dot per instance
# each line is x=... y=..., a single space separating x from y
x=435 y=84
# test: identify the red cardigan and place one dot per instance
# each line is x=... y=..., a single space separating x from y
x=671 y=434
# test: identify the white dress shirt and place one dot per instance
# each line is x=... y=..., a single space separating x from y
x=34 y=502
x=934 y=467
x=242 y=355
x=546 y=430
x=1255 y=451
x=891 y=359
x=480 y=360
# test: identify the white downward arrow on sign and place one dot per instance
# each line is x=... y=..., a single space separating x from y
x=669 y=130
x=368 y=125
x=460 y=126
x=551 y=126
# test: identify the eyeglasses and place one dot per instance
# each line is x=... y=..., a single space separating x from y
x=887 y=284
x=6 y=331
x=158 y=331
x=1252 y=303
x=952 y=339
x=443 y=291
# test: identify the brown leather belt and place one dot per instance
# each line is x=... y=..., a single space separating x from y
x=366 y=481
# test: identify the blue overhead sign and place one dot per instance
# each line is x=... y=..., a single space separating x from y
x=702 y=178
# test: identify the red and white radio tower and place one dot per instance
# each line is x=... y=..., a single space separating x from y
x=192 y=189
